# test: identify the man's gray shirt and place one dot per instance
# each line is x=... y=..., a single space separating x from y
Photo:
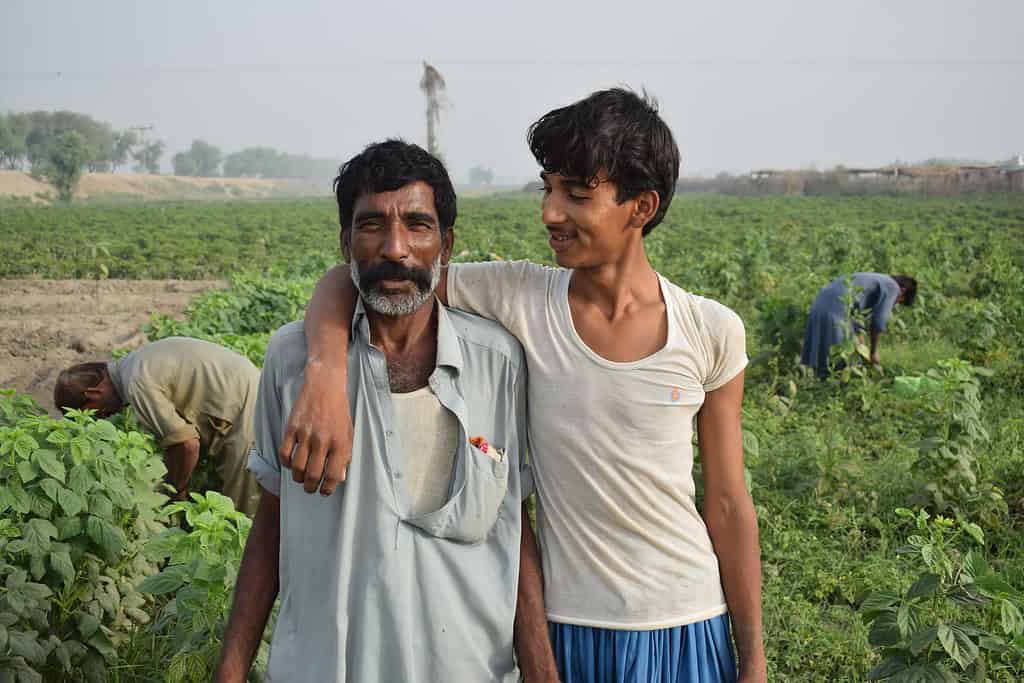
x=369 y=592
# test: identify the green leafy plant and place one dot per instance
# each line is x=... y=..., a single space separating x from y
x=202 y=566
x=960 y=620
x=950 y=399
x=78 y=498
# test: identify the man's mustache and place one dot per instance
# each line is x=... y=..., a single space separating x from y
x=389 y=270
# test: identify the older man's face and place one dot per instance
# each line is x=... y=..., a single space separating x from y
x=396 y=249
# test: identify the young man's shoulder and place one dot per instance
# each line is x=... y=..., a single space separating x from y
x=705 y=315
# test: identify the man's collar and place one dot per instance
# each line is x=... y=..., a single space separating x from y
x=449 y=352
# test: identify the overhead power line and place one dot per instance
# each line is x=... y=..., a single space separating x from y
x=724 y=62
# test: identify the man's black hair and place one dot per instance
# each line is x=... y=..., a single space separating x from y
x=909 y=287
x=613 y=130
x=388 y=166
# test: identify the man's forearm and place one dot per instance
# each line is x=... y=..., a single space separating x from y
x=255 y=593
x=533 y=647
x=181 y=460
x=732 y=525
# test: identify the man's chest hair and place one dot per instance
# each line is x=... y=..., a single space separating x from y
x=410 y=372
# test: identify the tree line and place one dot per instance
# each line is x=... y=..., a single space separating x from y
x=205 y=160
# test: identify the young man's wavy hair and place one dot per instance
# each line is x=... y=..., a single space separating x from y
x=617 y=131
x=388 y=166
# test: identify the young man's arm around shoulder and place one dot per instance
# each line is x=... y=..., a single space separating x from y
x=255 y=593
x=732 y=522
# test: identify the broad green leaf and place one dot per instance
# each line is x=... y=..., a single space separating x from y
x=1013 y=622
x=109 y=538
x=975 y=565
x=878 y=602
x=68 y=527
x=100 y=506
x=26 y=644
x=80 y=479
x=167 y=581
x=48 y=462
x=924 y=586
x=163 y=544
x=993 y=585
x=26 y=471
x=100 y=642
x=50 y=487
x=958 y=645
x=24 y=445
x=21 y=501
x=87 y=624
x=61 y=563
x=3 y=638
x=71 y=502
x=925 y=673
x=63 y=656
x=889 y=666
x=38 y=533
x=104 y=430
x=885 y=630
x=922 y=639
x=974 y=531
x=58 y=437
x=37 y=567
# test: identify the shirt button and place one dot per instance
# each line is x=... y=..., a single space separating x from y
x=389 y=433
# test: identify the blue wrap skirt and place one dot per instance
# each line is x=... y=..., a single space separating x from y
x=695 y=653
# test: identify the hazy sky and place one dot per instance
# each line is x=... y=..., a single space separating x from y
x=751 y=84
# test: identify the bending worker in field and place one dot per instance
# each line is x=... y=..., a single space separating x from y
x=639 y=586
x=412 y=574
x=197 y=398
x=830 y=321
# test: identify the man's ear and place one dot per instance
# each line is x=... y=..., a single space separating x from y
x=645 y=206
x=447 y=243
x=343 y=242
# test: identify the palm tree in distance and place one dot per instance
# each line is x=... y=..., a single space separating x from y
x=433 y=86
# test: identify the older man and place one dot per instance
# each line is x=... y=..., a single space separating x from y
x=411 y=572
x=195 y=397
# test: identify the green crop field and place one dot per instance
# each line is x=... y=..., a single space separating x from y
x=891 y=503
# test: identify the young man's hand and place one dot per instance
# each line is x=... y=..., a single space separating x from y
x=317 y=444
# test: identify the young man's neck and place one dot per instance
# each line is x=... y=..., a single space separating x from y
x=397 y=335
x=618 y=285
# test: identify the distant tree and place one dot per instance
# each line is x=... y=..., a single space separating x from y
x=124 y=142
x=202 y=159
x=183 y=163
x=433 y=86
x=147 y=156
x=478 y=175
x=14 y=130
x=68 y=156
x=264 y=162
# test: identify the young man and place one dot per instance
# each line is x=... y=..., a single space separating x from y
x=197 y=398
x=829 y=321
x=410 y=573
x=638 y=585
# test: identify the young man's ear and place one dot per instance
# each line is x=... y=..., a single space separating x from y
x=645 y=206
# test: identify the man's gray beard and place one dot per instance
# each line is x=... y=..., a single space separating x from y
x=397 y=305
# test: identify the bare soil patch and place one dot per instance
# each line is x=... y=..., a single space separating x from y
x=152 y=187
x=47 y=325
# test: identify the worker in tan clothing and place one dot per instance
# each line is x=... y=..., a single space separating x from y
x=197 y=398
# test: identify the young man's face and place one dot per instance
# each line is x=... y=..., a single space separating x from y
x=396 y=249
x=587 y=226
